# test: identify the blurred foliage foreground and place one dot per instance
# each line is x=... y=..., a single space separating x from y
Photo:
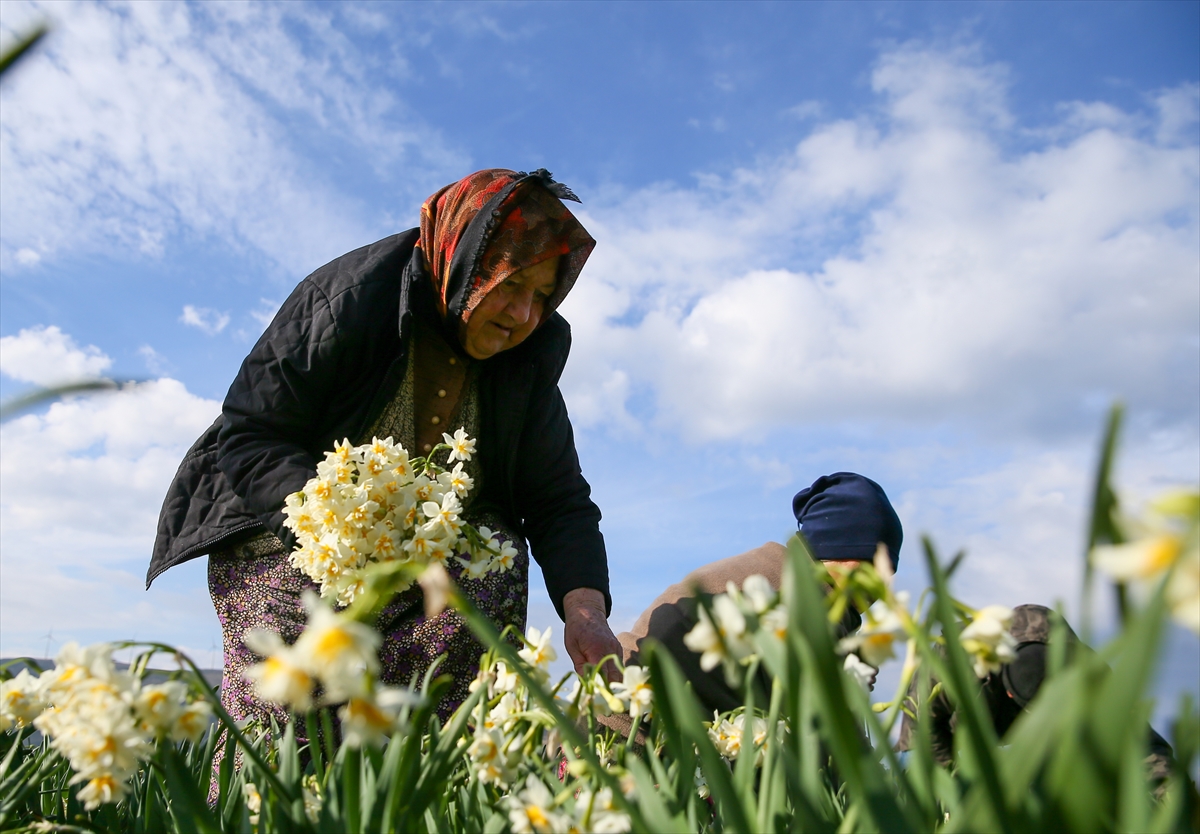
x=88 y=748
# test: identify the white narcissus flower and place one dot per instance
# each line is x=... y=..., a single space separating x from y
x=505 y=713
x=191 y=722
x=724 y=639
x=539 y=653
x=423 y=543
x=760 y=736
x=443 y=517
x=441 y=550
x=401 y=470
x=21 y=701
x=102 y=790
x=457 y=480
x=1168 y=538
x=475 y=569
x=597 y=813
x=312 y=798
x=461 y=446
x=74 y=665
x=988 y=640
x=157 y=706
x=863 y=674
x=485 y=677
x=628 y=785
x=532 y=810
x=505 y=558
x=875 y=642
x=1141 y=560
x=282 y=678
x=634 y=692
x=349 y=585
x=386 y=543
x=253 y=801
x=731 y=621
x=335 y=473
x=344 y=452
x=726 y=737
x=489 y=758
x=775 y=622
x=368 y=720
x=338 y=650
x=506 y=679
x=594 y=696
x=758 y=593
x=364 y=724
x=705 y=640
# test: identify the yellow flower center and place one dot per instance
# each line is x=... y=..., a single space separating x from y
x=1161 y=553
x=280 y=668
x=879 y=641
x=333 y=642
x=366 y=712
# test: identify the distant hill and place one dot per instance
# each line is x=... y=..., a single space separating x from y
x=213 y=676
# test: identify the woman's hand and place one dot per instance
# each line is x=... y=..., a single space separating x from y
x=586 y=633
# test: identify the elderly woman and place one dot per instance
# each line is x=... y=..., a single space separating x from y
x=452 y=324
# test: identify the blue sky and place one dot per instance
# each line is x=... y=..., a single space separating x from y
x=929 y=242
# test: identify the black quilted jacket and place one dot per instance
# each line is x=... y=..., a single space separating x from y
x=324 y=370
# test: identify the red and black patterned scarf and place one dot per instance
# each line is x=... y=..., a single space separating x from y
x=483 y=228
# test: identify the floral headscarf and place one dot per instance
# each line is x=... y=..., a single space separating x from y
x=483 y=228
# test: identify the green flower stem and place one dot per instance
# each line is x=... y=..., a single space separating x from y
x=224 y=717
x=906 y=676
x=486 y=632
x=980 y=733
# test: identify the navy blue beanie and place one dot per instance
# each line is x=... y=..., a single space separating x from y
x=846 y=516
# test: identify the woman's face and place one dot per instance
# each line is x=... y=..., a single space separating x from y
x=510 y=312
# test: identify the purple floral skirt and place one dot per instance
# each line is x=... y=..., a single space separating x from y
x=264 y=591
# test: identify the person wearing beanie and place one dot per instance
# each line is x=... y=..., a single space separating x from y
x=844 y=518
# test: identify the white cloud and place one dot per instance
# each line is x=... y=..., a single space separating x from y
x=808 y=109
x=46 y=356
x=82 y=484
x=27 y=257
x=933 y=260
x=1179 y=109
x=204 y=319
x=139 y=123
x=156 y=363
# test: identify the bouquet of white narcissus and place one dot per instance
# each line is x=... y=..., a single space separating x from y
x=372 y=503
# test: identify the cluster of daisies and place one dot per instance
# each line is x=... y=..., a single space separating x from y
x=373 y=503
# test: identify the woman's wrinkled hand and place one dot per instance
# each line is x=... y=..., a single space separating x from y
x=586 y=633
